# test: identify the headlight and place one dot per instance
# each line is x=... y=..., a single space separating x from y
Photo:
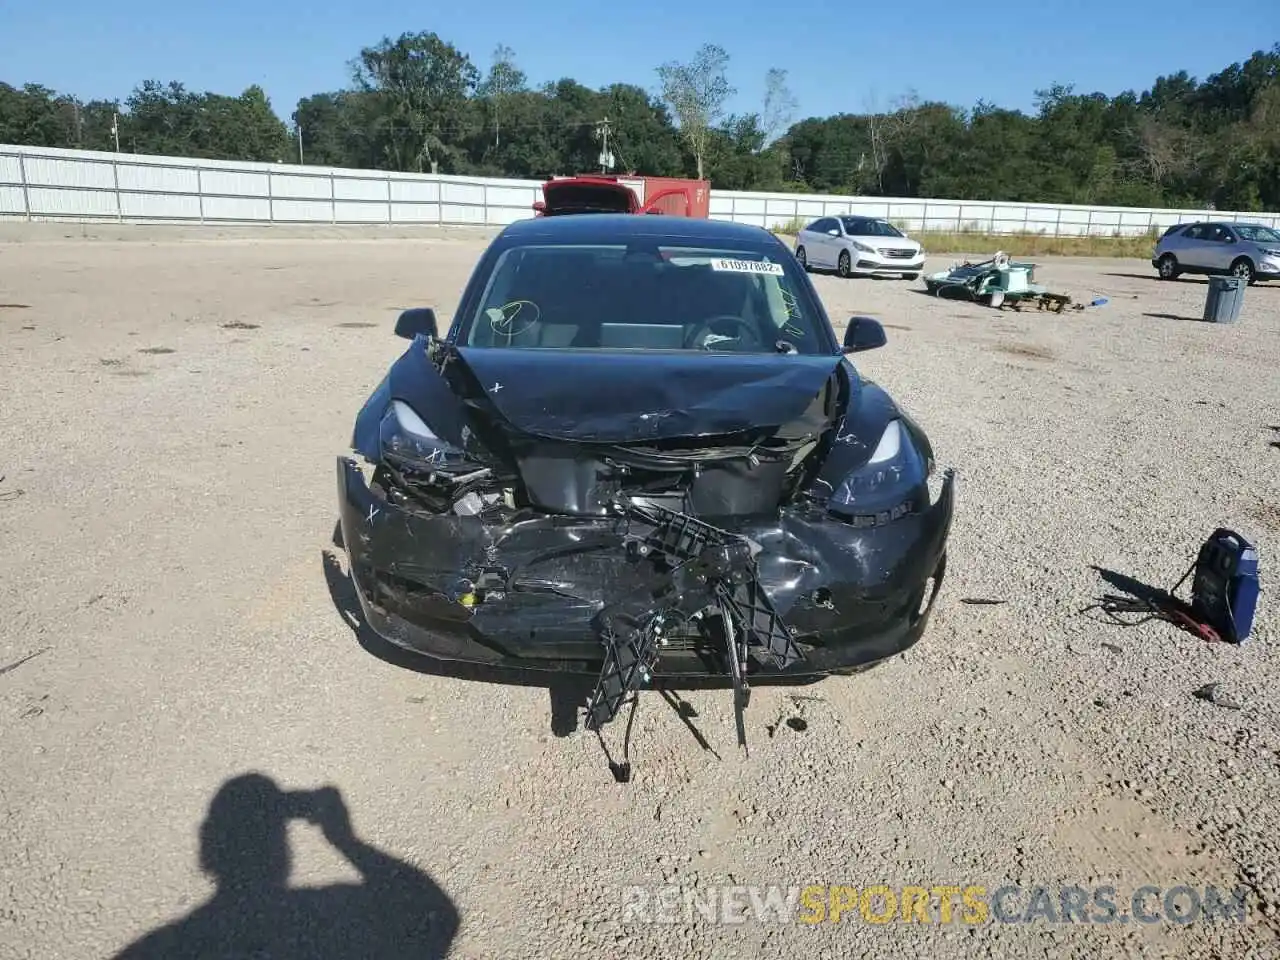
x=887 y=485
x=863 y=247
x=1271 y=253
x=409 y=444
x=431 y=471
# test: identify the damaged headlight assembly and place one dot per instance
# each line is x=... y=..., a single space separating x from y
x=407 y=440
x=436 y=472
x=887 y=486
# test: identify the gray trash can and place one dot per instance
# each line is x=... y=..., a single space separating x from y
x=1225 y=298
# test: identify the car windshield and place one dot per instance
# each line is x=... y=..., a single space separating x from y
x=646 y=296
x=1257 y=233
x=870 y=228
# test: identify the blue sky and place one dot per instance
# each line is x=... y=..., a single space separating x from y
x=839 y=56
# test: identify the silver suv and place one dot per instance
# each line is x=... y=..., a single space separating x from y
x=1249 y=251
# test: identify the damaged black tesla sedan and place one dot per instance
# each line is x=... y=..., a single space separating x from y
x=641 y=452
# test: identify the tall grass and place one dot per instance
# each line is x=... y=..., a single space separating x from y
x=1019 y=244
x=1035 y=244
x=791 y=227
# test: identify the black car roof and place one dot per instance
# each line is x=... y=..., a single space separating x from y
x=606 y=227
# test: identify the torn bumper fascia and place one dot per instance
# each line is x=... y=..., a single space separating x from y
x=852 y=596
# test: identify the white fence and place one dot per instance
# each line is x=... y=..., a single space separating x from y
x=41 y=183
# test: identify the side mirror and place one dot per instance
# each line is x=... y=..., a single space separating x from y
x=539 y=208
x=834 y=233
x=416 y=321
x=863 y=333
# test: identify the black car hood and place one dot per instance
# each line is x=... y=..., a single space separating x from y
x=595 y=396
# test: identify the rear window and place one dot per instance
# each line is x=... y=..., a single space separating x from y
x=645 y=296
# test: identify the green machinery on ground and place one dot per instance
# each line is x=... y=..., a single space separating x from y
x=997 y=281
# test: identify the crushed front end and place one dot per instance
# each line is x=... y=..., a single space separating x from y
x=793 y=551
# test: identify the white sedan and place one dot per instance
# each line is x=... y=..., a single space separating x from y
x=859 y=245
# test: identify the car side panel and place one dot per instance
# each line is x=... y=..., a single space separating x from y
x=844 y=244
x=821 y=246
x=833 y=245
x=813 y=247
x=836 y=245
x=1220 y=249
x=1241 y=248
x=802 y=240
x=1190 y=251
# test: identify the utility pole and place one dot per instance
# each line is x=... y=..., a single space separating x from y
x=299 y=126
x=115 y=129
x=606 y=155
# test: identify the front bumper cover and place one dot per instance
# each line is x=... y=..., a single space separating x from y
x=851 y=596
x=873 y=263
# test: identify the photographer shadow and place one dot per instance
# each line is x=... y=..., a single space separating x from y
x=395 y=911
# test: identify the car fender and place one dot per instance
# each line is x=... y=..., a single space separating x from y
x=854 y=437
x=365 y=434
x=414 y=380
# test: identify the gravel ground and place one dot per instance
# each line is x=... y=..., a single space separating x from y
x=178 y=618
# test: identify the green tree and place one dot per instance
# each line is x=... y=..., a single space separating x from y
x=780 y=105
x=422 y=85
x=171 y=120
x=337 y=129
x=643 y=138
x=418 y=103
x=34 y=116
x=697 y=93
x=504 y=80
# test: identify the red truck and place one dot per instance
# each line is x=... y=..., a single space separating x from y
x=607 y=193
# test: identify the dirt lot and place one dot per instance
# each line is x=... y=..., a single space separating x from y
x=177 y=618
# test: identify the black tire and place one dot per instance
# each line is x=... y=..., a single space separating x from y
x=1243 y=269
x=802 y=258
x=1167 y=267
x=844 y=265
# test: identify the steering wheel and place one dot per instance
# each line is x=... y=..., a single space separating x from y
x=746 y=331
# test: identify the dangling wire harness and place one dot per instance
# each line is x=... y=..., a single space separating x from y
x=703 y=570
x=1153 y=604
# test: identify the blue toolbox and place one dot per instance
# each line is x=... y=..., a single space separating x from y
x=1224 y=590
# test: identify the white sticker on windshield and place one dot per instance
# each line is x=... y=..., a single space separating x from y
x=747 y=266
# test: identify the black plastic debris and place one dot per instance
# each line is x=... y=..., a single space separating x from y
x=1215 y=694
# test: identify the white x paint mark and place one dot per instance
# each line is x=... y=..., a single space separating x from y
x=373 y=512
x=497 y=387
